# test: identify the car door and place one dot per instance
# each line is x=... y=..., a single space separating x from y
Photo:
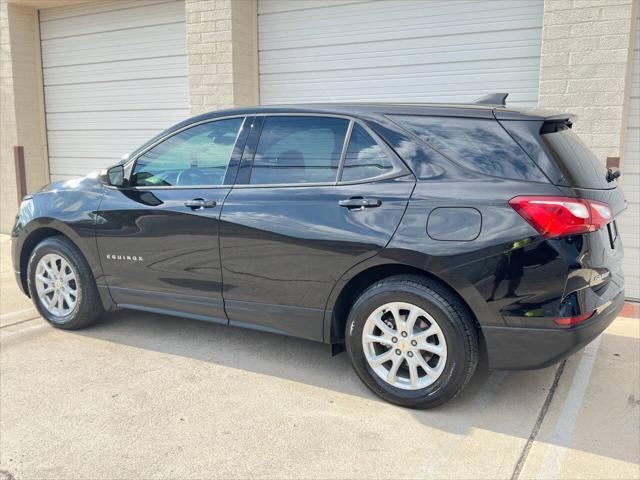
x=315 y=195
x=158 y=236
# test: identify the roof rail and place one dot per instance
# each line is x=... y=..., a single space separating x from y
x=493 y=99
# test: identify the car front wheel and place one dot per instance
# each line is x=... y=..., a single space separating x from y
x=411 y=341
x=62 y=286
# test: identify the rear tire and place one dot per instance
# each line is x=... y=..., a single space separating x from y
x=412 y=342
x=62 y=286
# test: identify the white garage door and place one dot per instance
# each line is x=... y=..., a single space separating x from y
x=114 y=75
x=630 y=222
x=397 y=50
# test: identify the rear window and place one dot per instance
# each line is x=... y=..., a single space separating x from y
x=477 y=144
x=579 y=166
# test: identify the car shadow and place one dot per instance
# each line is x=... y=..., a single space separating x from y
x=504 y=402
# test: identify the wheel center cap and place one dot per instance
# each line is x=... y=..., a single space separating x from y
x=58 y=284
x=403 y=345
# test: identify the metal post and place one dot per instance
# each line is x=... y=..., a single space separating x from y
x=21 y=178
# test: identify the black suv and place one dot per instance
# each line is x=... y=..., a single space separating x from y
x=414 y=236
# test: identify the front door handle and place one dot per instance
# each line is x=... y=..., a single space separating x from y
x=360 y=203
x=200 y=203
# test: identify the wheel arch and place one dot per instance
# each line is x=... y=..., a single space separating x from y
x=343 y=296
x=34 y=238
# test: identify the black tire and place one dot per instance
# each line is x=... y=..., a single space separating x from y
x=453 y=318
x=88 y=306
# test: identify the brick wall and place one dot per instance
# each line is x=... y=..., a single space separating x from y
x=584 y=67
x=8 y=132
x=222 y=54
x=22 y=105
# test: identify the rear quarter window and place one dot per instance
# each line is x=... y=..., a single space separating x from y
x=481 y=145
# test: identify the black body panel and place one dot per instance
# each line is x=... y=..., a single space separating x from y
x=157 y=252
x=284 y=248
x=279 y=257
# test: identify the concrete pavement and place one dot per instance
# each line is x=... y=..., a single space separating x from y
x=147 y=396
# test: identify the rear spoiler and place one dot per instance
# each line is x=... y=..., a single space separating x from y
x=535 y=114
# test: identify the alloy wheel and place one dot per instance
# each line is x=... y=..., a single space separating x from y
x=56 y=285
x=404 y=345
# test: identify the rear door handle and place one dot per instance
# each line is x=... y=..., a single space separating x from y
x=360 y=203
x=199 y=203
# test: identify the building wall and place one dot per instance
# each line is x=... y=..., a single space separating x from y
x=222 y=51
x=585 y=67
x=22 y=115
x=8 y=132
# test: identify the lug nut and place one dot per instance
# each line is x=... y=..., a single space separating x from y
x=404 y=334
x=394 y=339
x=398 y=352
x=414 y=343
x=409 y=354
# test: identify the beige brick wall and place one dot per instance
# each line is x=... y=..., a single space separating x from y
x=584 y=67
x=222 y=51
x=8 y=132
x=22 y=105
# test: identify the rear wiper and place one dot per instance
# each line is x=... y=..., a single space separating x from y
x=612 y=174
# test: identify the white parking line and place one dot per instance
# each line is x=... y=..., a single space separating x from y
x=566 y=424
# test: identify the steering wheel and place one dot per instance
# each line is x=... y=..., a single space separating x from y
x=187 y=175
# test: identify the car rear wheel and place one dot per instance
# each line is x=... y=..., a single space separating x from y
x=412 y=342
x=62 y=286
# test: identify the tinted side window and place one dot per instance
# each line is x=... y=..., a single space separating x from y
x=477 y=144
x=365 y=158
x=196 y=156
x=299 y=150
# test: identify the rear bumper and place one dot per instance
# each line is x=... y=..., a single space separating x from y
x=514 y=348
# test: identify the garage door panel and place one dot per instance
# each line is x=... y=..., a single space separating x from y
x=148 y=42
x=133 y=15
x=523 y=28
x=134 y=119
x=279 y=6
x=402 y=51
x=407 y=55
x=108 y=91
x=68 y=167
x=388 y=14
x=154 y=94
x=629 y=223
x=422 y=84
x=162 y=67
x=97 y=143
x=83 y=9
x=420 y=89
x=422 y=74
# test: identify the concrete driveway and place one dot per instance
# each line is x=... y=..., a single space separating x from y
x=147 y=396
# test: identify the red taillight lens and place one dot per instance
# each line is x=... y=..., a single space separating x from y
x=561 y=216
x=570 y=321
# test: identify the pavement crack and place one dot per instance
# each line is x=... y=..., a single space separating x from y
x=18 y=323
x=536 y=427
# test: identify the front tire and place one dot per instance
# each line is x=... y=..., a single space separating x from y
x=411 y=341
x=62 y=286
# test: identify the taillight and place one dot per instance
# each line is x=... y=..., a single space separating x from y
x=561 y=216
x=570 y=321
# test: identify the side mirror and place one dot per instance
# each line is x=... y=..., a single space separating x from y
x=115 y=176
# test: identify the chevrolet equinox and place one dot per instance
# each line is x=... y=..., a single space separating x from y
x=413 y=236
